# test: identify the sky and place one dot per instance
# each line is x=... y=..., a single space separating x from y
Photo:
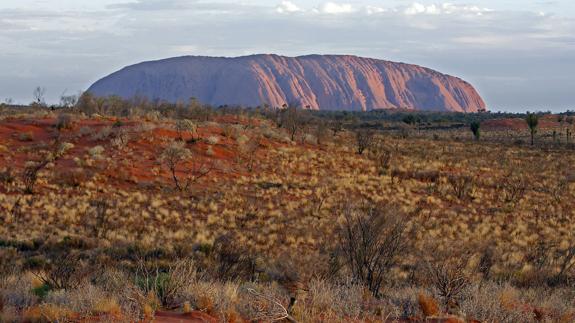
x=519 y=54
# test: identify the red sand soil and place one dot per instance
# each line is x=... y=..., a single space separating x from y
x=519 y=124
x=145 y=148
x=193 y=317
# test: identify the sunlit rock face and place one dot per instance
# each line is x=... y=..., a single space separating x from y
x=326 y=82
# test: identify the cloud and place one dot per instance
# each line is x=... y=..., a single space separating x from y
x=287 y=7
x=153 y=5
x=445 y=8
x=69 y=49
x=371 y=10
x=333 y=8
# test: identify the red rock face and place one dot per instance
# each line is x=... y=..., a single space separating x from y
x=326 y=82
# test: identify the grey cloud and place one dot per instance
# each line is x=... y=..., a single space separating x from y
x=530 y=66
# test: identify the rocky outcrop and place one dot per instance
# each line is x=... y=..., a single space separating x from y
x=327 y=82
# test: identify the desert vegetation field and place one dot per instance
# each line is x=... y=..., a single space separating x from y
x=114 y=210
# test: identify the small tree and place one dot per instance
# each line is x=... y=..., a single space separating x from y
x=474 y=126
x=38 y=95
x=321 y=131
x=175 y=157
x=450 y=278
x=532 y=121
x=371 y=240
x=32 y=169
x=68 y=101
x=185 y=125
x=292 y=120
x=364 y=139
x=381 y=157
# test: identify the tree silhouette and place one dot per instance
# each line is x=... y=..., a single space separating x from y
x=532 y=121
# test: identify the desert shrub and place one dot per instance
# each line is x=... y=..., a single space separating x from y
x=475 y=129
x=262 y=306
x=449 y=276
x=461 y=185
x=292 y=119
x=97 y=219
x=121 y=138
x=7 y=176
x=96 y=152
x=248 y=149
x=8 y=261
x=371 y=239
x=230 y=131
x=86 y=131
x=64 y=121
x=66 y=271
x=512 y=188
x=381 y=157
x=167 y=284
x=532 y=121
x=102 y=135
x=32 y=168
x=492 y=302
x=213 y=140
x=185 y=126
x=82 y=300
x=174 y=158
x=428 y=305
x=47 y=313
x=16 y=291
x=26 y=136
x=363 y=139
x=228 y=262
x=73 y=177
x=321 y=133
x=331 y=300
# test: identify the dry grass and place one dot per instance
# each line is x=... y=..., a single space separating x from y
x=277 y=200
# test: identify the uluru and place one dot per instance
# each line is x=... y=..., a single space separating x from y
x=324 y=82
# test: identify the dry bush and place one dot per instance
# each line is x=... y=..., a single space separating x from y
x=428 y=305
x=16 y=292
x=174 y=158
x=7 y=176
x=97 y=219
x=248 y=152
x=326 y=299
x=230 y=262
x=381 y=157
x=167 y=284
x=47 y=313
x=512 y=188
x=461 y=185
x=32 y=169
x=73 y=177
x=121 y=138
x=103 y=134
x=449 y=276
x=26 y=136
x=363 y=139
x=64 y=121
x=371 y=239
x=8 y=262
x=488 y=302
x=119 y=285
x=185 y=126
x=66 y=271
x=263 y=307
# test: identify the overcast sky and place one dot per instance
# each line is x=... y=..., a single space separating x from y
x=519 y=54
